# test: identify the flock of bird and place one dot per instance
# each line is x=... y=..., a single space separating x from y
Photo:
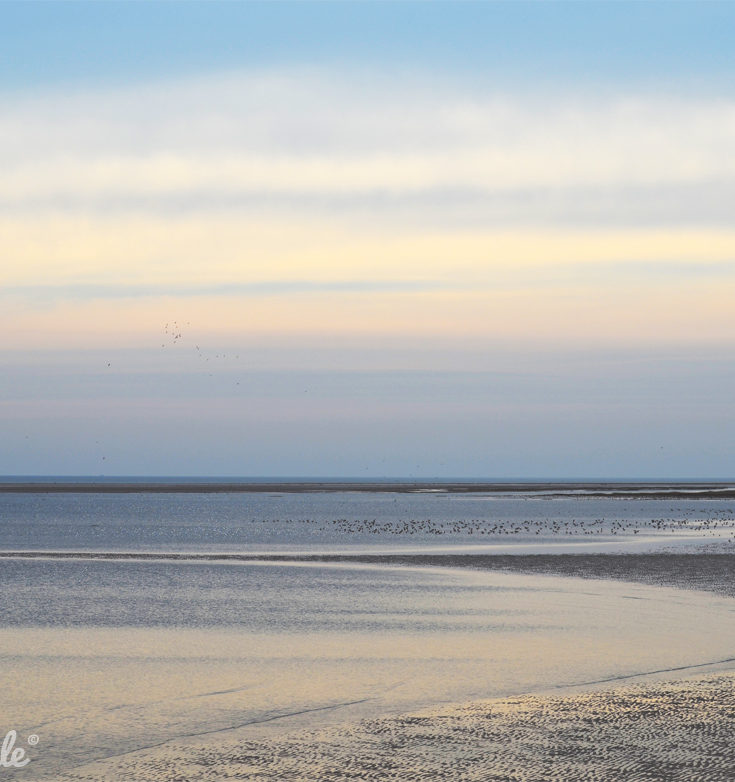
x=174 y=333
x=703 y=522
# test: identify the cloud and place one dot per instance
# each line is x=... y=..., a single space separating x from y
x=264 y=288
x=223 y=249
x=311 y=134
x=525 y=278
x=365 y=204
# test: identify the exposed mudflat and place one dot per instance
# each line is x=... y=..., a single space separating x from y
x=696 y=490
x=708 y=572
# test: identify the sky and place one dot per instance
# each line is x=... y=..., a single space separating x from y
x=411 y=239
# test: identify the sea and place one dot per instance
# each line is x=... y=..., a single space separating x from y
x=137 y=612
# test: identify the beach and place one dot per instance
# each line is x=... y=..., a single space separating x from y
x=289 y=636
x=653 y=724
x=678 y=731
x=666 y=725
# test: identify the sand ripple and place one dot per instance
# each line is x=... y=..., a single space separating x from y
x=667 y=732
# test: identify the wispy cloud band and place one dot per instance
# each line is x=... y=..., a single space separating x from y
x=371 y=204
x=311 y=134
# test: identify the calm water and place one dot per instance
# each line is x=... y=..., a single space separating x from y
x=105 y=657
x=351 y=521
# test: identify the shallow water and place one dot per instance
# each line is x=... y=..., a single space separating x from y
x=104 y=657
x=101 y=658
x=356 y=522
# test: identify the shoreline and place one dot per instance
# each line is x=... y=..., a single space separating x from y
x=705 y=490
x=699 y=571
x=708 y=572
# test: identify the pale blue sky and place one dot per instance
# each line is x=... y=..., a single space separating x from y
x=44 y=43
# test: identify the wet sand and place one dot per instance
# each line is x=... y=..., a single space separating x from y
x=626 y=722
x=664 y=731
x=708 y=572
x=655 y=728
x=94 y=687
